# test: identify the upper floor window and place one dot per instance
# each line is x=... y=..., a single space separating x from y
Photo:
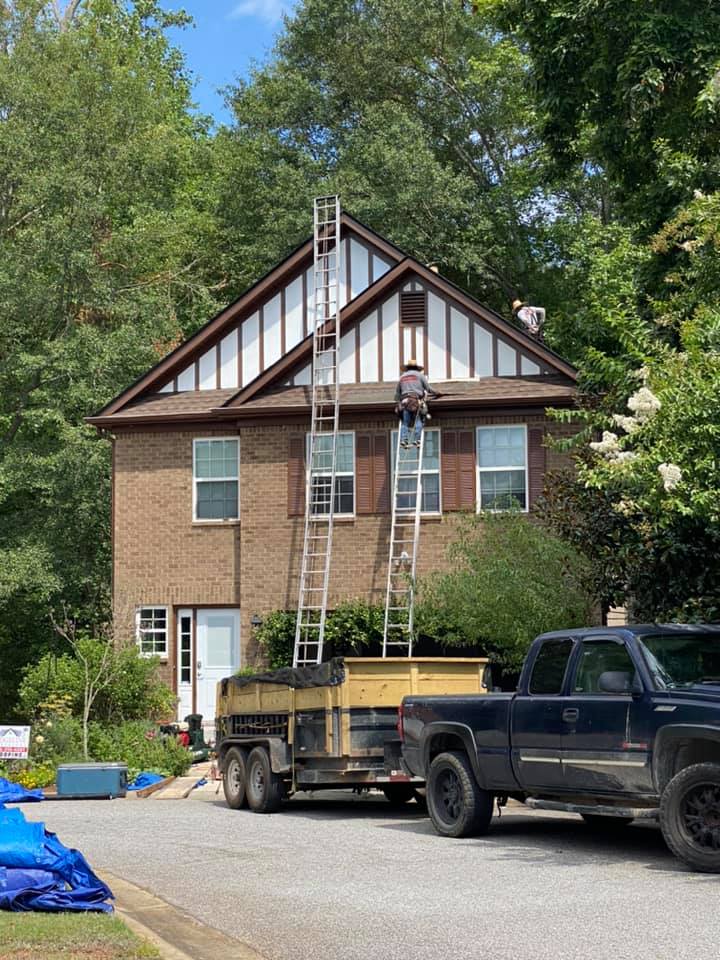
x=344 y=474
x=151 y=630
x=216 y=472
x=502 y=468
x=430 y=475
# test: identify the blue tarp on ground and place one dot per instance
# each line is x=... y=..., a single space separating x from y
x=145 y=779
x=15 y=793
x=38 y=873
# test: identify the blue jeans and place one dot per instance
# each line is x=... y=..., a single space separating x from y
x=407 y=424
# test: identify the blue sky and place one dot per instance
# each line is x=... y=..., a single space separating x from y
x=227 y=36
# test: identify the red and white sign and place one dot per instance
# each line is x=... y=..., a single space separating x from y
x=14 y=743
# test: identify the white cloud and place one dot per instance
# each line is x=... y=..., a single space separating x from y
x=269 y=11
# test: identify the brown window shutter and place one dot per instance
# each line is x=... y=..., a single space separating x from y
x=466 y=469
x=536 y=462
x=381 y=472
x=296 y=475
x=458 y=469
x=371 y=473
x=363 y=473
x=449 y=470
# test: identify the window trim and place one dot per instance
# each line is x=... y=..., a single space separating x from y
x=138 y=635
x=478 y=469
x=338 y=473
x=196 y=480
x=393 y=453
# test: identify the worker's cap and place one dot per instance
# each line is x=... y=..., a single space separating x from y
x=412 y=364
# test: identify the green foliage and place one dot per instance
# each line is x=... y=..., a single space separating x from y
x=275 y=637
x=510 y=580
x=133 y=692
x=140 y=746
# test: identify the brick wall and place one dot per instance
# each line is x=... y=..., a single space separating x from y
x=161 y=557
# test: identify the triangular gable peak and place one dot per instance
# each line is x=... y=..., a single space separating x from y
x=271 y=318
x=414 y=313
x=273 y=327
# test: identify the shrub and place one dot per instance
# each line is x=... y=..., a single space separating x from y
x=141 y=746
x=511 y=579
x=133 y=690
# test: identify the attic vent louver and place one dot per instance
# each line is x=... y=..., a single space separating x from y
x=412 y=307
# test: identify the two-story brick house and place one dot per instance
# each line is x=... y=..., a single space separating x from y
x=208 y=450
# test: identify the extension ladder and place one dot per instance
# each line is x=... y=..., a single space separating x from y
x=321 y=453
x=404 y=536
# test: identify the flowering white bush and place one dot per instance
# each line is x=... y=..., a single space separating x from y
x=628 y=424
x=671 y=475
x=608 y=446
x=644 y=404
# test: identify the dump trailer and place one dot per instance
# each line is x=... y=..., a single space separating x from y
x=327 y=727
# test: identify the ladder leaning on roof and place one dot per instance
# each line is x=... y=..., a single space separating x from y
x=321 y=452
x=399 y=623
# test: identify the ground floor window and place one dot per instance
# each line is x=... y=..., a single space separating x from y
x=430 y=475
x=151 y=626
x=344 y=474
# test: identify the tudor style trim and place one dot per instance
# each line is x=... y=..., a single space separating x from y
x=186 y=352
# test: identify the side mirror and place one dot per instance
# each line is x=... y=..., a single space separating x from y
x=615 y=681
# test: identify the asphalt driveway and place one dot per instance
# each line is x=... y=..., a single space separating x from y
x=336 y=878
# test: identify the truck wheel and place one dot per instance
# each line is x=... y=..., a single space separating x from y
x=264 y=788
x=458 y=806
x=605 y=824
x=690 y=816
x=398 y=794
x=234 y=778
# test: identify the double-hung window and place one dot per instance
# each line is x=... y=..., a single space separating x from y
x=502 y=468
x=151 y=629
x=429 y=479
x=344 y=474
x=216 y=471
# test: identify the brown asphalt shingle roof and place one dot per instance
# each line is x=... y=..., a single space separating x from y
x=208 y=404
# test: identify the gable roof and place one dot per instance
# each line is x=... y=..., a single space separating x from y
x=354 y=310
x=214 y=328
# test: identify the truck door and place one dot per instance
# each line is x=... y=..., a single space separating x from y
x=604 y=748
x=537 y=724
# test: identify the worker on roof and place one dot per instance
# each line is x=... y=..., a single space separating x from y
x=411 y=395
x=532 y=318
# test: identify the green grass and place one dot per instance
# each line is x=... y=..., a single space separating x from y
x=69 y=936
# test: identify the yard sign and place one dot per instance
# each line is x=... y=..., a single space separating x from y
x=14 y=743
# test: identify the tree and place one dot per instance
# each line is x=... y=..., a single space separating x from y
x=510 y=580
x=105 y=260
x=420 y=116
x=632 y=88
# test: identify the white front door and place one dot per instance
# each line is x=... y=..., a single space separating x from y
x=218 y=655
x=185 y=665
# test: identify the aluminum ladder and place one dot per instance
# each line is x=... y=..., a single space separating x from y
x=321 y=452
x=398 y=630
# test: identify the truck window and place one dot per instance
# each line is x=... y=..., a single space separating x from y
x=597 y=656
x=549 y=667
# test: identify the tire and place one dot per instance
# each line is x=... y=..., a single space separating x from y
x=458 y=806
x=399 y=794
x=264 y=788
x=235 y=778
x=690 y=816
x=606 y=824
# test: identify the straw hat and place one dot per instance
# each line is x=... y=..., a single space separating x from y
x=412 y=364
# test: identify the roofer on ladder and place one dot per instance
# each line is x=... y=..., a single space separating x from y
x=411 y=395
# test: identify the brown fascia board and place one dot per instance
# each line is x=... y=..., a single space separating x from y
x=366 y=300
x=188 y=350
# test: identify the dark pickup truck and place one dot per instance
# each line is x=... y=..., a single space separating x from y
x=614 y=724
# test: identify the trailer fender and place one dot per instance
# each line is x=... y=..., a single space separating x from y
x=278 y=749
x=439 y=737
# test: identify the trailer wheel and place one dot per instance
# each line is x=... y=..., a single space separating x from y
x=398 y=794
x=235 y=778
x=264 y=788
x=458 y=806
